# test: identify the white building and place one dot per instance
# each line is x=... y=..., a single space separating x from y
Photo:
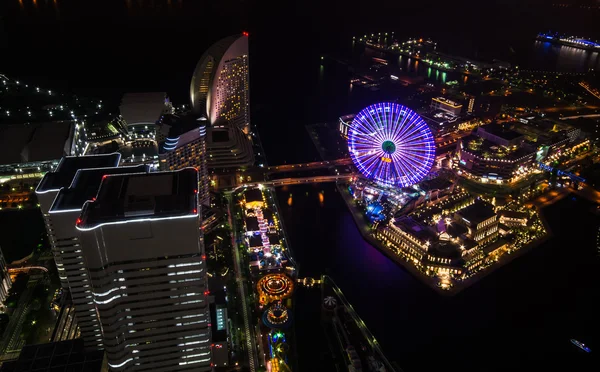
x=143 y=249
x=61 y=195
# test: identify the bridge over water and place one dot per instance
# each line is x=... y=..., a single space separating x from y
x=295 y=181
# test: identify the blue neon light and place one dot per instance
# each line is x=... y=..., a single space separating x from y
x=391 y=145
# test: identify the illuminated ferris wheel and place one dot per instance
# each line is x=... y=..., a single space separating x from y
x=391 y=145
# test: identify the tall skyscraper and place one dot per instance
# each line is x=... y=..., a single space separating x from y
x=220 y=93
x=52 y=183
x=143 y=249
x=62 y=194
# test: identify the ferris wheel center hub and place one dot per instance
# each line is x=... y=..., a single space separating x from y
x=388 y=147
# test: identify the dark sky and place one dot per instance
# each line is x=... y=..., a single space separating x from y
x=125 y=43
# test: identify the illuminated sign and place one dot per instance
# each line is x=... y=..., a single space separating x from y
x=221 y=318
x=386 y=159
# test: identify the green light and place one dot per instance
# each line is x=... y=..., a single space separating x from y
x=388 y=147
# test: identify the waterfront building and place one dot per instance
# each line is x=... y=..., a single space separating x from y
x=423 y=246
x=495 y=154
x=5 y=282
x=61 y=195
x=446 y=105
x=185 y=146
x=143 y=249
x=481 y=221
x=446 y=239
x=220 y=94
x=513 y=218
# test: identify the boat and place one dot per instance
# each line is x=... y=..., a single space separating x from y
x=581 y=345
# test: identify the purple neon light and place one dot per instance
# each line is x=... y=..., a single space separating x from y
x=414 y=150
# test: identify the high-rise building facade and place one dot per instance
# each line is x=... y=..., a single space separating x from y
x=49 y=187
x=62 y=194
x=143 y=250
x=220 y=93
x=183 y=149
x=5 y=282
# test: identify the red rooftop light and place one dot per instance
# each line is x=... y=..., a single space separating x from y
x=78 y=221
x=104 y=177
x=245 y=33
x=195 y=211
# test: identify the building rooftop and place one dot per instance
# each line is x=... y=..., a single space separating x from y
x=456 y=230
x=251 y=224
x=477 y=212
x=142 y=108
x=85 y=186
x=253 y=195
x=150 y=195
x=502 y=131
x=438 y=183
x=56 y=356
x=68 y=167
x=268 y=215
x=274 y=239
x=255 y=241
x=490 y=150
x=408 y=224
x=25 y=143
x=445 y=249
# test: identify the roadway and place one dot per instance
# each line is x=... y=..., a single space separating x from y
x=580 y=116
x=241 y=281
x=594 y=92
x=25 y=269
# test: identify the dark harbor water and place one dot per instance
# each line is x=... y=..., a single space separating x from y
x=520 y=318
